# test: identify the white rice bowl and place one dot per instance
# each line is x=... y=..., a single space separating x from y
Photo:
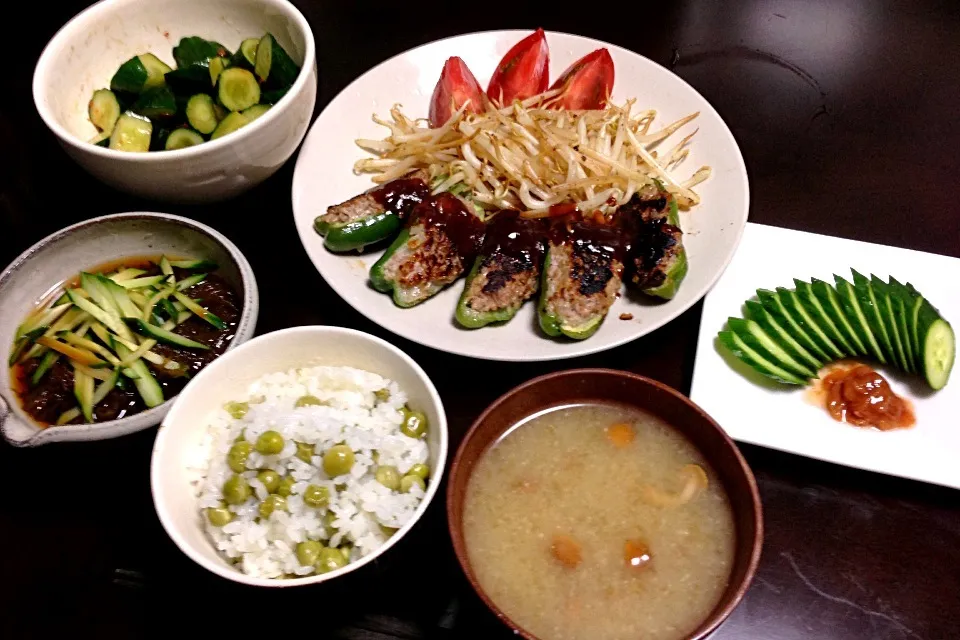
x=351 y=414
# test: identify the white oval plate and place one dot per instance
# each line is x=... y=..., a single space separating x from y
x=324 y=176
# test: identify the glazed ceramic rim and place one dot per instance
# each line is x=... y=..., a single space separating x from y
x=247 y=322
x=220 y=568
x=708 y=624
x=47 y=63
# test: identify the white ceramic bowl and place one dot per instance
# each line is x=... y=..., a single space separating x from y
x=85 y=53
x=62 y=255
x=178 y=450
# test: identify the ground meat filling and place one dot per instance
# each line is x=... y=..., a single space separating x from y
x=362 y=205
x=502 y=282
x=658 y=246
x=425 y=264
x=581 y=285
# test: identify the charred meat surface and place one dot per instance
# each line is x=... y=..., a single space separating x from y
x=507 y=272
x=442 y=237
x=582 y=277
x=657 y=246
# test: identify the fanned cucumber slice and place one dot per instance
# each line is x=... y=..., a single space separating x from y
x=757 y=339
x=131 y=133
x=792 y=303
x=858 y=319
x=238 y=89
x=871 y=311
x=819 y=315
x=743 y=352
x=774 y=306
x=760 y=315
x=830 y=302
x=884 y=298
x=911 y=305
x=104 y=110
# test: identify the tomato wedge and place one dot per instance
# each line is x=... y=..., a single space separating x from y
x=455 y=87
x=523 y=72
x=587 y=83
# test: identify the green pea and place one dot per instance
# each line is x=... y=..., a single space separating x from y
x=269 y=443
x=271 y=504
x=328 y=519
x=237 y=409
x=305 y=451
x=330 y=559
x=338 y=460
x=286 y=486
x=376 y=456
x=388 y=476
x=316 y=496
x=308 y=552
x=236 y=490
x=237 y=456
x=407 y=482
x=388 y=531
x=242 y=437
x=270 y=479
x=414 y=423
x=419 y=470
x=382 y=395
x=219 y=516
x=309 y=401
x=346 y=551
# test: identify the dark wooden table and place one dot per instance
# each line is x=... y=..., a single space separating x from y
x=846 y=113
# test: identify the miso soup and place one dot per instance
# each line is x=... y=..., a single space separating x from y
x=599 y=522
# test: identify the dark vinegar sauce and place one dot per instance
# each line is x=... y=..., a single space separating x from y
x=53 y=394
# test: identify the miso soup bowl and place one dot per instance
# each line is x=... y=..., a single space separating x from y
x=608 y=386
x=86 y=52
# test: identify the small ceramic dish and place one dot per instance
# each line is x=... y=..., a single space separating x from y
x=179 y=453
x=621 y=388
x=85 y=53
x=43 y=267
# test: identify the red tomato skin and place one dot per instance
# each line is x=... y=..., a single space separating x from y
x=523 y=72
x=455 y=86
x=587 y=83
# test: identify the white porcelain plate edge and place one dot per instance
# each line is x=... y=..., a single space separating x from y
x=324 y=176
x=781 y=418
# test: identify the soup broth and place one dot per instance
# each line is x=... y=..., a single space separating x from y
x=591 y=522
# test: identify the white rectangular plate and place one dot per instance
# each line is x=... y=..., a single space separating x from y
x=780 y=416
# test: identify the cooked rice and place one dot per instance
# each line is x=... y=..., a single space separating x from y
x=351 y=414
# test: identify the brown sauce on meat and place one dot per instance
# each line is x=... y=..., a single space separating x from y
x=447 y=213
x=514 y=245
x=53 y=394
x=402 y=195
x=856 y=394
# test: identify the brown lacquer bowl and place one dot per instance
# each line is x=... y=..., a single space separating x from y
x=620 y=387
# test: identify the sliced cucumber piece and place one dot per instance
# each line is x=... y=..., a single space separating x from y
x=189 y=281
x=791 y=301
x=182 y=138
x=234 y=120
x=256 y=111
x=881 y=293
x=162 y=335
x=158 y=102
x=189 y=80
x=272 y=96
x=147 y=386
x=760 y=315
x=820 y=316
x=83 y=391
x=105 y=387
x=193 y=307
x=99 y=293
x=194 y=265
x=774 y=306
x=201 y=114
x=112 y=322
x=857 y=317
x=742 y=351
x=48 y=360
x=141 y=72
x=246 y=55
x=217 y=65
x=900 y=316
x=237 y=89
x=871 y=310
x=104 y=109
x=196 y=51
x=136 y=283
x=273 y=66
x=132 y=133
x=911 y=308
x=826 y=295
x=938 y=347
x=757 y=339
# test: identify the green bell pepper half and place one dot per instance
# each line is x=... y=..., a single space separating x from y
x=676 y=271
x=357 y=234
x=551 y=324
x=473 y=319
